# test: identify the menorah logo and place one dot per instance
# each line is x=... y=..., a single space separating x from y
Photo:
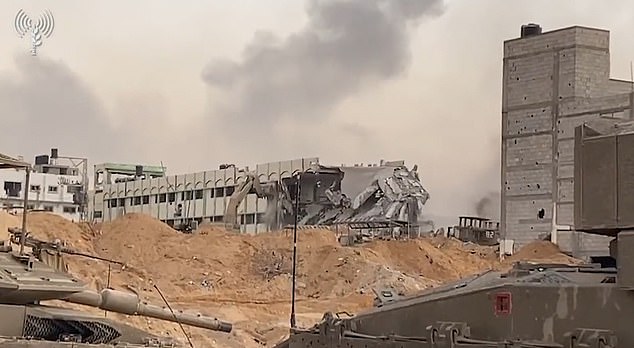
x=42 y=28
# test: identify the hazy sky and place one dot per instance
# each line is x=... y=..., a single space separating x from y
x=199 y=83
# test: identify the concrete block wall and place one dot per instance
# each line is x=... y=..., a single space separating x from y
x=552 y=83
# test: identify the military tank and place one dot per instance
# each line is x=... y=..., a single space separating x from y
x=37 y=273
x=531 y=305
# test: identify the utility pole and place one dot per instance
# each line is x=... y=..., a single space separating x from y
x=297 y=193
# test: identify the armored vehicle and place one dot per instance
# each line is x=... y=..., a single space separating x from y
x=30 y=276
x=531 y=305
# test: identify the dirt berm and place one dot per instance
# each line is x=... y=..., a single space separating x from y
x=245 y=279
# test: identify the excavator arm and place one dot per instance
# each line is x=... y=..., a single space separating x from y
x=231 y=214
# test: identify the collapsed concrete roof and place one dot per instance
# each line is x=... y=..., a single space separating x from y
x=374 y=197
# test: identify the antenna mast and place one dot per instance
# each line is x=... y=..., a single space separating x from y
x=25 y=208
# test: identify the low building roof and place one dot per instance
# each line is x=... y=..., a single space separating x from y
x=7 y=162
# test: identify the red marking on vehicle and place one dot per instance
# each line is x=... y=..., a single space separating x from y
x=503 y=303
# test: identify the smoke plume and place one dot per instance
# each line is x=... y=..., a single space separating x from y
x=45 y=104
x=489 y=206
x=345 y=45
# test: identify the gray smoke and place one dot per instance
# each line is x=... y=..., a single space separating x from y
x=489 y=206
x=45 y=104
x=344 y=45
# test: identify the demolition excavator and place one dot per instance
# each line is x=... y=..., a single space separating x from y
x=251 y=184
x=530 y=305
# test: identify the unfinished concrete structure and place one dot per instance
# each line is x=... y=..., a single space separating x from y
x=552 y=82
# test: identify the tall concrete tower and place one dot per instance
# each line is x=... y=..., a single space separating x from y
x=552 y=82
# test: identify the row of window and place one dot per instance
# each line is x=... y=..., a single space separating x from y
x=170 y=197
x=69 y=210
x=12 y=189
x=245 y=219
x=51 y=189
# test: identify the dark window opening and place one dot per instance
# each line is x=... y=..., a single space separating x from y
x=247 y=219
x=112 y=203
x=12 y=189
x=541 y=213
x=199 y=194
x=604 y=261
x=189 y=195
x=213 y=193
x=171 y=197
x=146 y=199
x=220 y=192
x=98 y=214
x=48 y=208
x=229 y=190
x=137 y=200
x=162 y=198
x=71 y=210
x=52 y=189
x=36 y=188
x=122 y=202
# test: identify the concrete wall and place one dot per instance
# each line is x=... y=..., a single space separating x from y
x=552 y=83
x=203 y=195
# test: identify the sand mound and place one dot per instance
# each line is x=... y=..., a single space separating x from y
x=225 y=266
x=49 y=226
x=541 y=251
x=246 y=279
x=6 y=221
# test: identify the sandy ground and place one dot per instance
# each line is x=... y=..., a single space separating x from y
x=246 y=279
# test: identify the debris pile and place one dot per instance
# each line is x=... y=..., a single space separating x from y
x=541 y=251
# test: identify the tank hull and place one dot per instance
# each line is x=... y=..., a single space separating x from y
x=540 y=308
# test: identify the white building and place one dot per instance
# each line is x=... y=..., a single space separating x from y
x=52 y=187
x=201 y=196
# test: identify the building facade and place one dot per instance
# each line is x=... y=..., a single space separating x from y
x=201 y=196
x=52 y=187
x=552 y=82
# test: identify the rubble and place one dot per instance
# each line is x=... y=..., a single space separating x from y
x=389 y=197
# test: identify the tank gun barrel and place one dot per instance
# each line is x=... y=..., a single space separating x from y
x=129 y=303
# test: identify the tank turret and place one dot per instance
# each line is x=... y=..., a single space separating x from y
x=39 y=274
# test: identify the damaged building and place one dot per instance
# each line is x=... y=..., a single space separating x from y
x=379 y=197
x=552 y=82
